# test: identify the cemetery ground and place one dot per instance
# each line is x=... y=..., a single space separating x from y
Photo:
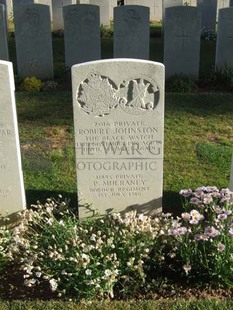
x=198 y=148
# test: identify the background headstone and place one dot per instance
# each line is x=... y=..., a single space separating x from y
x=155 y=7
x=231 y=179
x=4 y=3
x=190 y=2
x=131 y=32
x=104 y=11
x=231 y=2
x=4 y=55
x=182 y=41
x=33 y=41
x=57 y=9
x=208 y=11
x=113 y=4
x=82 y=33
x=224 y=46
x=221 y=4
x=12 y=194
x=119 y=123
x=23 y=2
x=49 y=3
x=169 y=4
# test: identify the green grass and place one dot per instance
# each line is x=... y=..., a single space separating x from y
x=135 y=305
x=198 y=143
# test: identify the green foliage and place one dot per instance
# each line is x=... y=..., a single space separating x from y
x=128 y=254
x=180 y=83
x=5 y=243
x=222 y=78
x=32 y=84
x=50 y=86
x=106 y=32
x=101 y=253
x=204 y=235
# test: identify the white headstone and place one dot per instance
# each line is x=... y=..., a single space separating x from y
x=49 y=3
x=155 y=7
x=33 y=41
x=224 y=46
x=221 y=4
x=12 y=194
x=4 y=3
x=82 y=33
x=131 y=32
x=15 y=2
x=104 y=11
x=113 y=4
x=4 y=55
x=208 y=11
x=119 y=123
x=182 y=41
x=231 y=179
x=169 y=4
x=57 y=7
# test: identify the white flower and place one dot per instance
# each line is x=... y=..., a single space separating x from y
x=53 y=285
x=187 y=268
x=88 y=272
x=108 y=272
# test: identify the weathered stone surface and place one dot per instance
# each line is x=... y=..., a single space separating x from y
x=224 y=47
x=119 y=123
x=208 y=11
x=182 y=41
x=155 y=7
x=57 y=8
x=82 y=33
x=104 y=11
x=4 y=55
x=131 y=32
x=33 y=41
x=169 y=4
x=12 y=194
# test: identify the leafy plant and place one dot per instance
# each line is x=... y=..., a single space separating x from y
x=204 y=235
x=180 y=83
x=106 y=32
x=32 y=84
x=50 y=86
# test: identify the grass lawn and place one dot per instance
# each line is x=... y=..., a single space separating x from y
x=198 y=143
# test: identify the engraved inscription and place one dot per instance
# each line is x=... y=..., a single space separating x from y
x=32 y=17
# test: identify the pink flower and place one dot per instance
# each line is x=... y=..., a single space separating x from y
x=212 y=232
x=185 y=216
x=195 y=201
x=208 y=199
x=186 y=192
x=220 y=247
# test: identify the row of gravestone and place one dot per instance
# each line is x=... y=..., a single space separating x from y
x=182 y=29
x=118 y=108
x=209 y=8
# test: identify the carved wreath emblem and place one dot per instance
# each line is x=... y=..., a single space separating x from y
x=98 y=95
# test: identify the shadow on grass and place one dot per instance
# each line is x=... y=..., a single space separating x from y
x=171 y=200
x=33 y=196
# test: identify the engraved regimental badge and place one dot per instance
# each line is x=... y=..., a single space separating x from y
x=98 y=95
